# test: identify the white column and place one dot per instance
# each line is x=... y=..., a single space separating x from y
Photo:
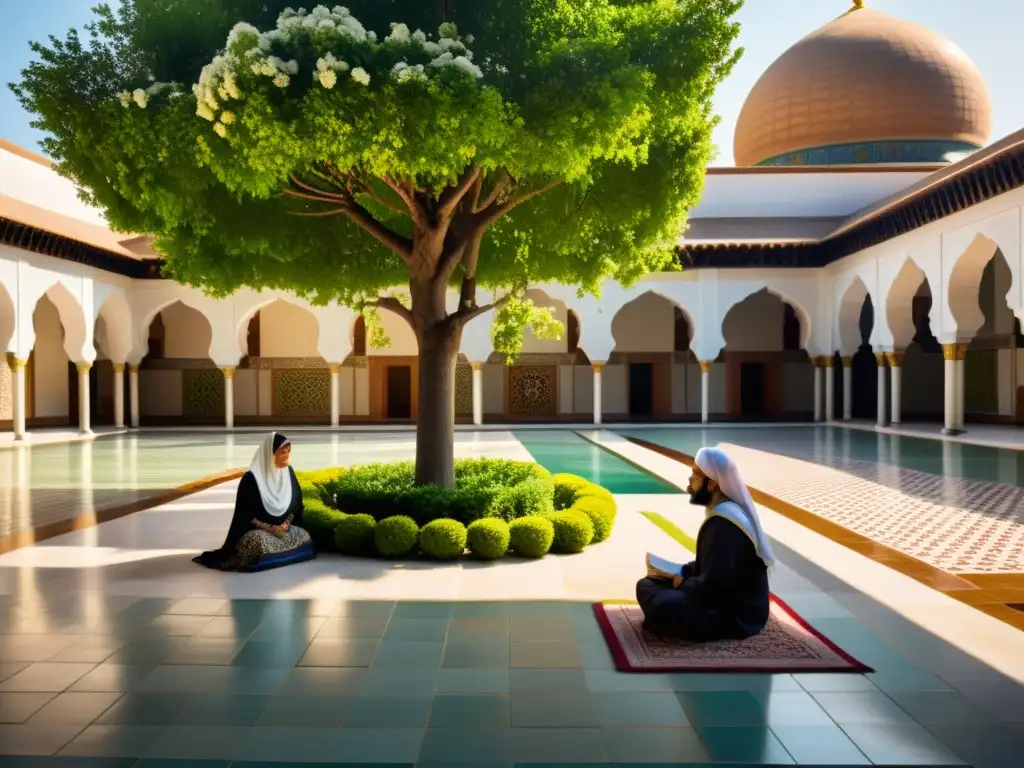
x=19 y=406
x=119 y=395
x=880 y=360
x=953 y=355
x=84 y=417
x=598 y=367
x=817 y=388
x=896 y=385
x=478 y=393
x=133 y=395
x=830 y=388
x=335 y=370
x=229 y=397
x=847 y=388
x=705 y=391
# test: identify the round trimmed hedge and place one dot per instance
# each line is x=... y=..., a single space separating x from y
x=396 y=536
x=443 y=539
x=488 y=539
x=497 y=507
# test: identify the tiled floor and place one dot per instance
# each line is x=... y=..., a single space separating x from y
x=115 y=647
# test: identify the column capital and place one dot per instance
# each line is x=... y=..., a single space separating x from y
x=954 y=351
x=705 y=365
x=229 y=373
x=477 y=366
x=118 y=367
x=880 y=359
x=847 y=361
x=599 y=365
x=83 y=366
x=133 y=367
x=334 y=368
x=827 y=361
x=16 y=363
x=895 y=358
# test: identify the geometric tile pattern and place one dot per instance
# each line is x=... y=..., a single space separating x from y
x=203 y=392
x=957 y=525
x=302 y=391
x=533 y=390
x=463 y=390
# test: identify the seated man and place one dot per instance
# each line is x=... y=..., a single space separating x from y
x=264 y=531
x=723 y=594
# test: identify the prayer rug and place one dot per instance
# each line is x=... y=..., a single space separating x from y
x=788 y=644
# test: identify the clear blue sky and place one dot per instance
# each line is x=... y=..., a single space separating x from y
x=988 y=30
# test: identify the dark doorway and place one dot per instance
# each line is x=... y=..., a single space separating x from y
x=752 y=390
x=399 y=392
x=641 y=389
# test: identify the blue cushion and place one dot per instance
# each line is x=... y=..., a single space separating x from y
x=298 y=555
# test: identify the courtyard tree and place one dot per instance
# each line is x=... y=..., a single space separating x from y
x=394 y=153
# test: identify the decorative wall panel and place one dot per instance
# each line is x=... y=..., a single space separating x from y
x=302 y=391
x=981 y=390
x=533 y=390
x=463 y=390
x=203 y=392
x=6 y=393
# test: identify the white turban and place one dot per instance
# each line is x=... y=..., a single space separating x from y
x=723 y=470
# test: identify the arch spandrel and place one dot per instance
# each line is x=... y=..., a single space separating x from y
x=732 y=295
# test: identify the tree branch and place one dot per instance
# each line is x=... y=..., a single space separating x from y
x=452 y=196
x=364 y=219
x=499 y=186
x=391 y=304
x=465 y=315
x=416 y=211
x=493 y=213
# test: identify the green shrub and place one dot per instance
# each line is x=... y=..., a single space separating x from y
x=483 y=488
x=396 y=536
x=354 y=534
x=566 y=488
x=573 y=531
x=531 y=536
x=443 y=539
x=488 y=539
x=319 y=520
x=601 y=513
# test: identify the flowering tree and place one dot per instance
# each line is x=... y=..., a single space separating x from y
x=557 y=141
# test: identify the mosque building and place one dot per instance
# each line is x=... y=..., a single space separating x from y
x=863 y=260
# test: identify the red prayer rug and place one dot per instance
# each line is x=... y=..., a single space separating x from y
x=787 y=644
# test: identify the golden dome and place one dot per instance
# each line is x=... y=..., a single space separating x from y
x=865 y=88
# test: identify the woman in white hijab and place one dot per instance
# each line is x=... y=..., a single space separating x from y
x=265 y=529
x=723 y=594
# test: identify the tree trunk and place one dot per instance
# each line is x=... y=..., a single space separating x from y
x=435 y=423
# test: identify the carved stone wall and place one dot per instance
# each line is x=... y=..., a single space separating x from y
x=533 y=390
x=203 y=393
x=302 y=391
x=463 y=390
x=6 y=393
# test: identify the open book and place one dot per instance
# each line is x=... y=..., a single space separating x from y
x=659 y=567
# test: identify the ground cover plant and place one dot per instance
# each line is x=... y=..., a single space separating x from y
x=498 y=507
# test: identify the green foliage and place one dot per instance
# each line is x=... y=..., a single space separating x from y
x=319 y=520
x=531 y=536
x=483 y=488
x=576 y=494
x=609 y=100
x=354 y=535
x=312 y=482
x=514 y=317
x=396 y=536
x=443 y=539
x=600 y=512
x=488 y=539
x=573 y=531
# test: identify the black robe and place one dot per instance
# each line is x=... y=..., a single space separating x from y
x=249 y=507
x=724 y=594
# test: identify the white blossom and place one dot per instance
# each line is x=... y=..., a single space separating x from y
x=448 y=44
x=281 y=80
x=448 y=29
x=328 y=78
x=204 y=111
x=361 y=76
x=467 y=66
x=242 y=32
x=404 y=73
x=139 y=97
x=220 y=129
x=419 y=36
x=227 y=117
x=125 y=98
x=399 y=34
x=329 y=62
x=432 y=49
